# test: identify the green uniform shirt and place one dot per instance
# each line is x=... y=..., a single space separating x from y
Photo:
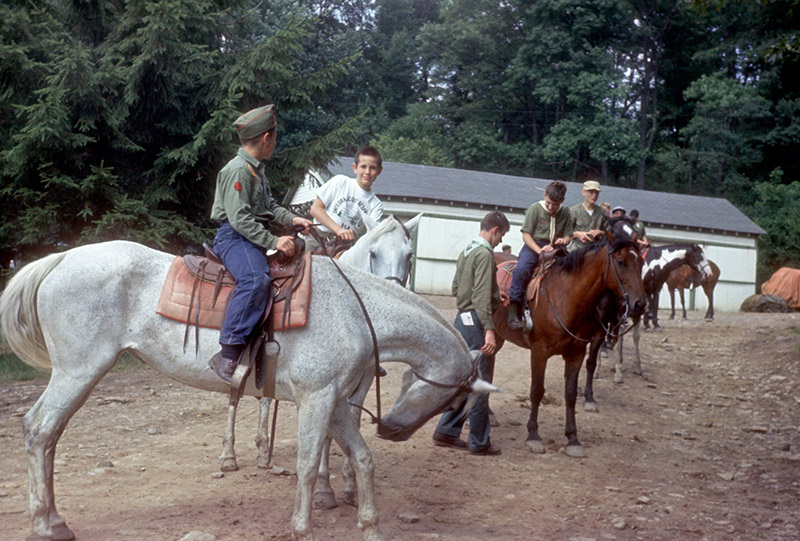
x=537 y=223
x=639 y=227
x=475 y=284
x=243 y=198
x=582 y=221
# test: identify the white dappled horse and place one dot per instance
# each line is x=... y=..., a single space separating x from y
x=77 y=311
x=385 y=250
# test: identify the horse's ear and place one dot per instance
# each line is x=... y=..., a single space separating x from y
x=482 y=386
x=368 y=220
x=412 y=224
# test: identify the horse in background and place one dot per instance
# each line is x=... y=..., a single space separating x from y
x=76 y=312
x=565 y=320
x=686 y=277
x=659 y=262
x=385 y=250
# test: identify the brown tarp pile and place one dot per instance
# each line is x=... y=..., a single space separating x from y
x=785 y=283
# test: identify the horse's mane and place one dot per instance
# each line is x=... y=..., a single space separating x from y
x=384 y=226
x=573 y=261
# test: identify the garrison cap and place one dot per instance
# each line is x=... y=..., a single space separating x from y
x=591 y=185
x=254 y=123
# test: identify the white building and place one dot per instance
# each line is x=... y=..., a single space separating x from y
x=454 y=201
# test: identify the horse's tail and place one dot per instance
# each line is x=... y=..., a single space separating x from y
x=19 y=318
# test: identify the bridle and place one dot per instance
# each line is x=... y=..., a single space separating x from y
x=625 y=297
x=377 y=418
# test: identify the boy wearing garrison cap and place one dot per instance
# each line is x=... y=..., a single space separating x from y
x=547 y=225
x=588 y=219
x=245 y=210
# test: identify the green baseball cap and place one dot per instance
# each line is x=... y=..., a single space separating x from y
x=254 y=123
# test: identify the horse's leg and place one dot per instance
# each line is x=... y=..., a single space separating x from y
x=227 y=460
x=538 y=366
x=683 y=303
x=324 y=497
x=344 y=427
x=672 y=301
x=709 y=290
x=618 y=365
x=43 y=426
x=591 y=365
x=350 y=495
x=313 y=417
x=573 y=358
x=654 y=312
x=637 y=362
x=262 y=434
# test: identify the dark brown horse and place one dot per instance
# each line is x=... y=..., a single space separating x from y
x=686 y=277
x=565 y=319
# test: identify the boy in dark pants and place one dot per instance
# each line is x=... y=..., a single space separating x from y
x=477 y=297
x=244 y=207
x=547 y=225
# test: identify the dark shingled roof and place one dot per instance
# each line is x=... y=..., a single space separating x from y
x=427 y=184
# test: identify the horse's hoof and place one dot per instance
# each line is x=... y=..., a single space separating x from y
x=228 y=464
x=325 y=500
x=36 y=537
x=575 y=451
x=61 y=532
x=263 y=463
x=535 y=446
x=590 y=406
x=618 y=378
x=638 y=372
x=493 y=420
x=349 y=497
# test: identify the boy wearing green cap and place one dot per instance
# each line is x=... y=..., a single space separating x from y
x=245 y=210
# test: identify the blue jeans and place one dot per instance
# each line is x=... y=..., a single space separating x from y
x=452 y=422
x=248 y=265
x=523 y=271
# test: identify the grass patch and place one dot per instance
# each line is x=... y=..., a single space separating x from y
x=12 y=369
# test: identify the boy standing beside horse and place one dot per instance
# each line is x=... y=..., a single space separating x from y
x=547 y=225
x=588 y=219
x=477 y=297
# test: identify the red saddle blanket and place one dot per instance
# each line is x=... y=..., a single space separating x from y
x=176 y=297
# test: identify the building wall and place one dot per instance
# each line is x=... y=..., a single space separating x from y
x=445 y=230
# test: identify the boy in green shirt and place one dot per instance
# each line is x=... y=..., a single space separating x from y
x=588 y=219
x=477 y=297
x=547 y=225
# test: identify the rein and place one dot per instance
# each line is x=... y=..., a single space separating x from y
x=624 y=296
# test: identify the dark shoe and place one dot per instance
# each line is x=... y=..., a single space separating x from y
x=381 y=371
x=223 y=367
x=443 y=440
x=487 y=451
x=514 y=321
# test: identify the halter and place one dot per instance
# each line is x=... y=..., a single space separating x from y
x=376 y=419
x=625 y=297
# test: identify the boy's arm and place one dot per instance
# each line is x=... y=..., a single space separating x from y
x=529 y=242
x=319 y=213
x=483 y=276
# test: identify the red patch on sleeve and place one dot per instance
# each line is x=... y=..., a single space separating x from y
x=237 y=186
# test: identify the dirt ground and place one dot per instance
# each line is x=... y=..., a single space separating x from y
x=705 y=446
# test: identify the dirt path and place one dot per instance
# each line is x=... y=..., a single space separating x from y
x=705 y=446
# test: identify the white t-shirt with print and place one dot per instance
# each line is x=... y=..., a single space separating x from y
x=343 y=197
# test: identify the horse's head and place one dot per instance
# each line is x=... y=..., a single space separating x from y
x=385 y=249
x=624 y=274
x=696 y=258
x=422 y=398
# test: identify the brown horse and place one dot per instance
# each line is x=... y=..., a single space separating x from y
x=565 y=320
x=686 y=277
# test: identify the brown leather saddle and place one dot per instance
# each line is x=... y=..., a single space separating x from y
x=505 y=270
x=195 y=284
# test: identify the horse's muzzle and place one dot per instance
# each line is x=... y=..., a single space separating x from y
x=390 y=432
x=638 y=308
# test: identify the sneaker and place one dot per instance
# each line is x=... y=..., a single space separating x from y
x=223 y=367
x=487 y=451
x=443 y=440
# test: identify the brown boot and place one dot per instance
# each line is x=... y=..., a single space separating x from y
x=515 y=316
x=223 y=367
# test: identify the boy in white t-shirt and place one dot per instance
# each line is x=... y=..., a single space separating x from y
x=342 y=199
